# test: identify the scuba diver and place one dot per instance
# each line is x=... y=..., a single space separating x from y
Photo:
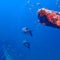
x=27 y=30
x=26 y=43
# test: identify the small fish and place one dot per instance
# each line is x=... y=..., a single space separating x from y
x=38 y=3
x=30 y=9
x=28 y=1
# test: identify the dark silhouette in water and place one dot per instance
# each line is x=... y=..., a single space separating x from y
x=27 y=30
x=26 y=43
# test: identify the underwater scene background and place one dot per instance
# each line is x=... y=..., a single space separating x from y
x=44 y=44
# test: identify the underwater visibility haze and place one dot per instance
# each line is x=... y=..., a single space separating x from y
x=22 y=37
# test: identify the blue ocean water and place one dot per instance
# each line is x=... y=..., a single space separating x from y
x=16 y=14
